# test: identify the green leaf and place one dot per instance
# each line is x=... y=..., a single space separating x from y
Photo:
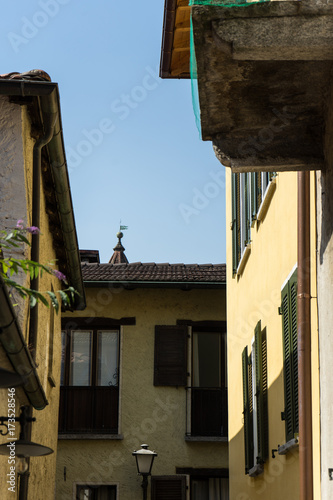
x=54 y=301
x=5 y=267
x=33 y=301
x=23 y=238
x=64 y=298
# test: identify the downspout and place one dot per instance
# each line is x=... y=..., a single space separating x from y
x=33 y=326
x=304 y=337
x=36 y=190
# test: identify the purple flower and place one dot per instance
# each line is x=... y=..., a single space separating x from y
x=19 y=224
x=33 y=230
x=59 y=275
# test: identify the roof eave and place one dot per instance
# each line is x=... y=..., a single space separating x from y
x=17 y=351
x=183 y=285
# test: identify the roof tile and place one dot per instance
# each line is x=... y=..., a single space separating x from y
x=152 y=272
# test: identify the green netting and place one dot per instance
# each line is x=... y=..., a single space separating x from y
x=226 y=3
x=193 y=60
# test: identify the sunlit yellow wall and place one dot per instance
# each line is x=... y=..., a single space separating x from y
x=44 y=430
x=254 y=296
x=149 y=414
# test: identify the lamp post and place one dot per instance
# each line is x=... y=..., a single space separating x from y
x=144 y=462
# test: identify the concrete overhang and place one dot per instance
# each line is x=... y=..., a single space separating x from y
x=175 y=52
x=264 y=73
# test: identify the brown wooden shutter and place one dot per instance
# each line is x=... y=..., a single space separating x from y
x=170 y=367
x=168 y=487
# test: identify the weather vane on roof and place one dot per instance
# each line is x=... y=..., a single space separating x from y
x=122 y=228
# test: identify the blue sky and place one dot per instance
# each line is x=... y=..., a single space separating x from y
x=133 y=150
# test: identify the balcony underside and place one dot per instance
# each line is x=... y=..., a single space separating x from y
x=264 y=75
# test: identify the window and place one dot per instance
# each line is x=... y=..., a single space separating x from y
x=207 y=399
x=84 y=492
x=249 y=192
x=89 y=381
x=168 y=487
x=209 y=488
x=207 y=483
x=209 y=389
x=290 y=356
x=255 y=408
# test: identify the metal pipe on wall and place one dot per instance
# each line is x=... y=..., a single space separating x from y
x=36 y=190
x=304 y=337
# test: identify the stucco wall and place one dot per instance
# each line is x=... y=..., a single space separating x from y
x=149 y=414
x=15 y=203
x=254 y=296
x=325 y=309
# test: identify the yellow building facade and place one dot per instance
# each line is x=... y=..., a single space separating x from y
x=261 y=268
x=164 y=321
x=30 y=340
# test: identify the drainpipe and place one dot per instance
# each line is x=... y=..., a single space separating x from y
x=33 y=327
x=36 y=190
x=304 y=337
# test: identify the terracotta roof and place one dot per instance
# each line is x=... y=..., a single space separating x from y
x=33 y=74
x=138 y=273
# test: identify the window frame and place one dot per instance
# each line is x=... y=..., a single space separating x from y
x=101 y=415
x=195 y=393
x=94 y=351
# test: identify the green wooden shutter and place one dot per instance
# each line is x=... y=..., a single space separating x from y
x=254 y=200
x=168 y=487
x=259 y=190
x=247 y=411
x=247 y=198
x=293 y=338
x=261 y=394
x=235 y=221
x=170 y=362
x=290 y=355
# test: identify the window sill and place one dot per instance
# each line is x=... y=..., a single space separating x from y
x=256 y=470
x=290 y=445
x=202 y=439
x=243 y=260
x=91 y=436
x=267 y=199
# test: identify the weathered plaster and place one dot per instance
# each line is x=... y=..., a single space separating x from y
x=325 y=308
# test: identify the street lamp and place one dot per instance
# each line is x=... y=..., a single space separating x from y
x=144 y=462
x=21 y=448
